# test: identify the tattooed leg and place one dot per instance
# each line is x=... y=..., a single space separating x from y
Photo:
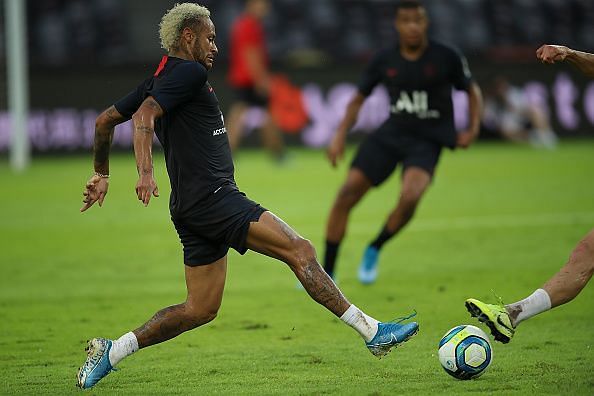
x=166 y=324
x=205 y=291
x=273 y=237
x=321 y=288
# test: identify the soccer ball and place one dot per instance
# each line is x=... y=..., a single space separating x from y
x=465 y=352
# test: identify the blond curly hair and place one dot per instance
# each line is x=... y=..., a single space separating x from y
x=174 y=21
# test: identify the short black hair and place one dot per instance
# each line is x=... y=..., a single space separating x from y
x=408 y=4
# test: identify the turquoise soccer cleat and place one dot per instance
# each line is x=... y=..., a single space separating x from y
x=368 y=267
x=97 y=364
x=390 y=335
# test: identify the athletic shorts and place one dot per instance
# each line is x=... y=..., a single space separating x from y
x=378 y=160
x=251 y=97
x=221 y=222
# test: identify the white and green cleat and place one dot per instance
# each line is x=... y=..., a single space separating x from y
x=495 y=316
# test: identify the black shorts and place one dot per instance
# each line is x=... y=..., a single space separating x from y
x=378 y=160
x=251 y=97
x=221 y=222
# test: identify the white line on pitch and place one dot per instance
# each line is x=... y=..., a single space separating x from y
x=497 y=221
x=476 y=222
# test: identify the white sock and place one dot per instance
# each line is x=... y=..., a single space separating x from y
x=124 y=346
x=537 y=302
x=365 y=325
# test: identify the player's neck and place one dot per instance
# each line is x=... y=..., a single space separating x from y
x=182 y=54
x=413 y=53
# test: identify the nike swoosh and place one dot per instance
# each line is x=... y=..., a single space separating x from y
x=217 y=190
x=503 y=324
x=392 y=339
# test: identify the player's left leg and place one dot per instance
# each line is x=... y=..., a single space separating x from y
x=563 y=287
x=274 y=238
x=415 y=181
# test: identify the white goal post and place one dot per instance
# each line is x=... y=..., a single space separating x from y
x=17 y=76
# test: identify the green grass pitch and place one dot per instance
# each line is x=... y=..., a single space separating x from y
x=497 y=217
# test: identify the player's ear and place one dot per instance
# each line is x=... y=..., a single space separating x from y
x=187 y=35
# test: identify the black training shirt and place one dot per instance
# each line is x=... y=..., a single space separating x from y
x=191 y=131
x=420 y=91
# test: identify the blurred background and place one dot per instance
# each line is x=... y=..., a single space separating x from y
x=85 y=54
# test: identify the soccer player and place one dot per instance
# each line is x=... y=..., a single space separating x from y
x=566 y=284
x=209 y=212
x=419 y=74
x=250 y=77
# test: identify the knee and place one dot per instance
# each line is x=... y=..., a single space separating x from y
x=583 y=256
x=347 y=197
x=103 y=121
x=198 y=316
x=409 y=200
x=303 y=253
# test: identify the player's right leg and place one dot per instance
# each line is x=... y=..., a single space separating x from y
x=563 y=287
x=205 y=284
x=274 y=238
x=349 y=194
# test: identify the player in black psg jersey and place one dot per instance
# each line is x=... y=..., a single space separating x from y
x=419 y=74
x=209 y=212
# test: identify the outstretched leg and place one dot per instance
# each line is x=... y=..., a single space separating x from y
x=274 y=238
x=563 y=287
x=350 y=193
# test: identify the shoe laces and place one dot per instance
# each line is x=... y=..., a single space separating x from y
x=94 y=359
x=498 y=298
x=403 y=318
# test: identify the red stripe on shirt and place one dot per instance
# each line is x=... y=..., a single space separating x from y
x=161 y=65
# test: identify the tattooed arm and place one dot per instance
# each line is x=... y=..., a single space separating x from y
x=104 y=127
x=144 y=130
x=96 y=187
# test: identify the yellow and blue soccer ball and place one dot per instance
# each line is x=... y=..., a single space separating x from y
x=465 y=352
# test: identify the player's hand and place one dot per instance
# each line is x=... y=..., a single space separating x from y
x=145 y=188
x=552 y=53
x=465 y=139
x=335 y=149
x=95 y=191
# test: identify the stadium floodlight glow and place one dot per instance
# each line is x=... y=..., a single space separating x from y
x=17 y=75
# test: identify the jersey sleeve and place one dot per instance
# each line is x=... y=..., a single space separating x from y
x=178 y=86
x=128 y=105
x=461 y=76
x=371 y=76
